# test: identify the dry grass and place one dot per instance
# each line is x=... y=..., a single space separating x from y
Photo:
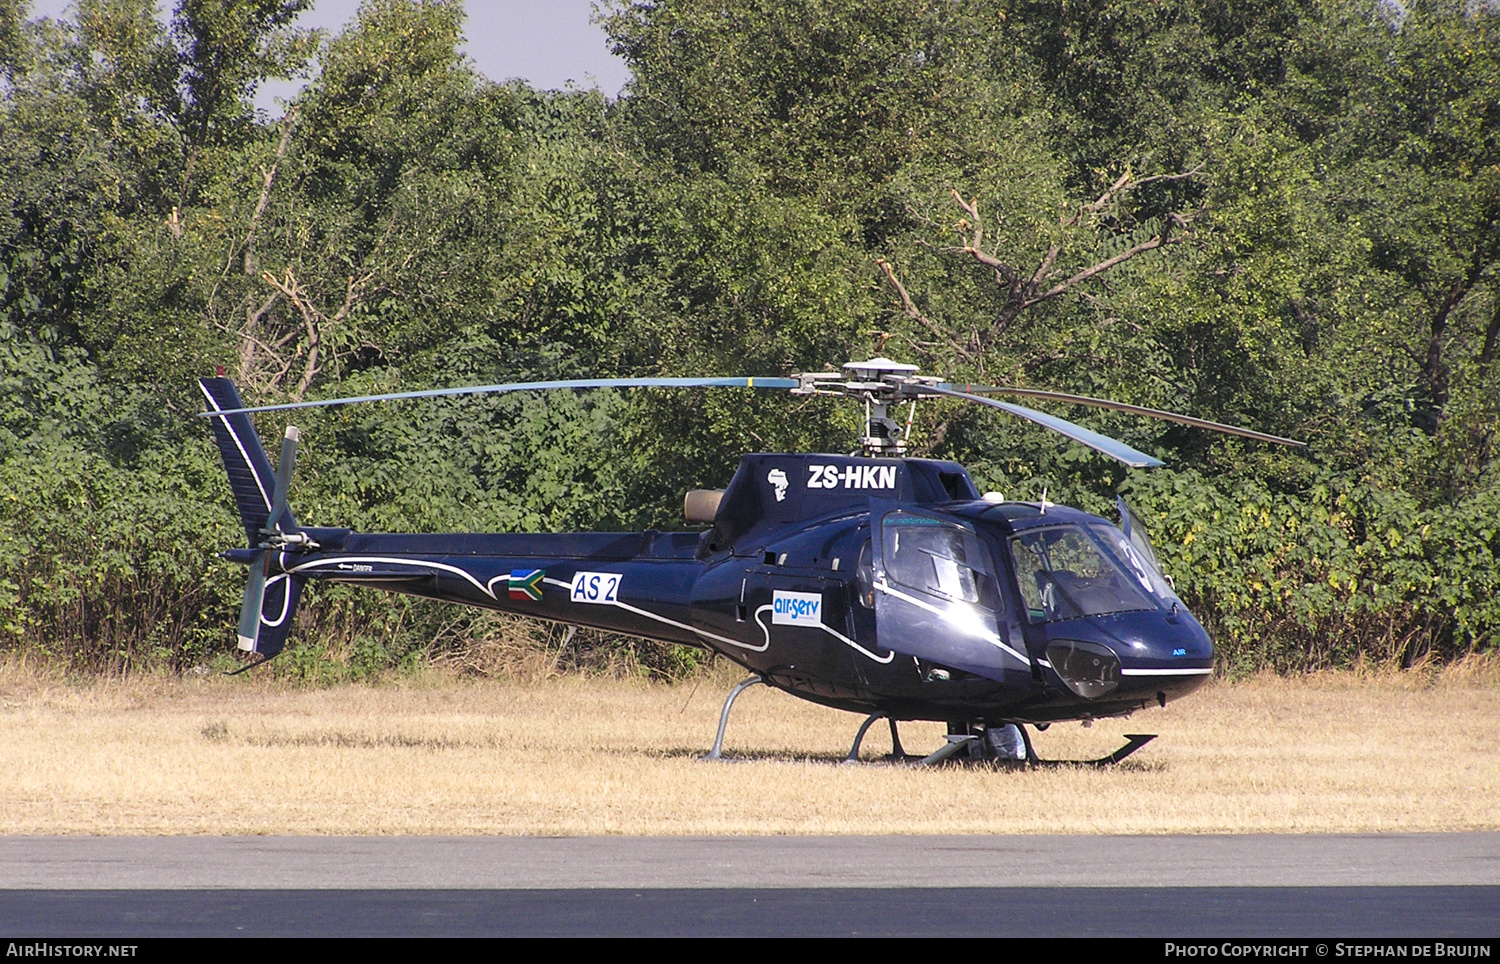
x=1337 y=752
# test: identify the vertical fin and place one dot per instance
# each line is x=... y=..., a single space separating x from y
x=251 y=478
x=259 y=493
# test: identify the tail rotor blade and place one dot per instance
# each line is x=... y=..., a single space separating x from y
x=283 y=476
x=255 y=594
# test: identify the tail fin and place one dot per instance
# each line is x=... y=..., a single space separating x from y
x=251 y=477
x=270 y=596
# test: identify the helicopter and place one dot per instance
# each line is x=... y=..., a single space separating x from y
x=874 y=583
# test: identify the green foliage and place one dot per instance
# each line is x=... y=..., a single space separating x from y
x=106 y=533
x=1305 y=238
x=227 y=48
x=1348 y=573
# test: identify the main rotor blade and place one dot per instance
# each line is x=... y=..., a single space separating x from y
x=1114 y=448
x=756 y=382
x=1130 y=409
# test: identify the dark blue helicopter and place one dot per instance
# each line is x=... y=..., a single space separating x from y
x=879 y=584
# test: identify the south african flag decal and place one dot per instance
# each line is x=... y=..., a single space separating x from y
x=526 y=583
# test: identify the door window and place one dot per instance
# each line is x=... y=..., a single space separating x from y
x=938 y=559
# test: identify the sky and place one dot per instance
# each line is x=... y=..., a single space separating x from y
x=545 y=42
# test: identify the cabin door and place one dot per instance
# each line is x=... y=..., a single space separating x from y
x=936 y=594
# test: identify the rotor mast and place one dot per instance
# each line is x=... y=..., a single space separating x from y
x=880 y=383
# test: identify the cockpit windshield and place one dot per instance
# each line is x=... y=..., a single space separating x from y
x=1064 y=574
x=1127 y=550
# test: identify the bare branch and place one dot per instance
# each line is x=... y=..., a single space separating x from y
x=312 y=368
x=915 y=313
x=248 y=341
x=1043 y=270
x=1160 y=240
x=353 y=294
x=1126 y=182
x=254 y=316
x=311 y=317
x=268 y=349
x=315 y=323
x=268 y=177
x=971 y=230
x=1022 y=291
x=1103 y=200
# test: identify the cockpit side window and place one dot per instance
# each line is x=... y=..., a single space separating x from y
x=938 y=559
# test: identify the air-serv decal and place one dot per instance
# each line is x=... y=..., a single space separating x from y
x=853 y=476
x=797 y=608
x=805 y=609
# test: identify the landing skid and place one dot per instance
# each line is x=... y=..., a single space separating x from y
x=1134 y=741
x=958 y=745
x=961 y=742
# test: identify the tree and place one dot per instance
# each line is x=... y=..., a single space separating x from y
x=1101 y=224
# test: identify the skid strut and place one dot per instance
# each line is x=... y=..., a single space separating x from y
x=897 y=753
x=717 y=753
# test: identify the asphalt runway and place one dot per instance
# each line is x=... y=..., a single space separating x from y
x=1408 y=886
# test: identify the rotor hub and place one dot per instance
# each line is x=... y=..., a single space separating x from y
x=879 y=383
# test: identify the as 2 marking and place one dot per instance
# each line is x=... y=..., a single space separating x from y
x=595 y=587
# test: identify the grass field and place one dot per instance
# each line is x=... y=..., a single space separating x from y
x=438 y=754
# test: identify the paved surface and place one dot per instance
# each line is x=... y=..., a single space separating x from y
x=1405 y=886
x=538 y=863
x=1453 y=914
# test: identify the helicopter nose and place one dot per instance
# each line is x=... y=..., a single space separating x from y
x=1138 y=652
x=1088 y=669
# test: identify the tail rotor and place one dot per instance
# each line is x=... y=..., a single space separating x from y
x=279 y=530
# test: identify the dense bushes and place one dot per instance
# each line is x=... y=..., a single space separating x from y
x=1279 y=215
x=1347 y=573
